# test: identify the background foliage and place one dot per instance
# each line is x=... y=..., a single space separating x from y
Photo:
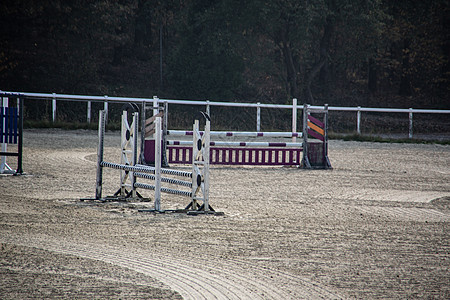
x=340 y=52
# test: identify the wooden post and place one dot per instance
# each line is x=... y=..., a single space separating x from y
x=134 y=158
x=305 y=161
x=101 y=133
x=205 y=154
x=54 y=108
x=208 y=109
x=155 y=105
x=410 y=135
x=358 y=121
x=105 y=108
x=89 y=112
x=125 y=135
x=143 y=114
x=165 y=121
x=258 y=117
x=294 y=118
x=3 y=165
x=196 y=147
x=20 y=142
x=326 y=160
x=158 y=164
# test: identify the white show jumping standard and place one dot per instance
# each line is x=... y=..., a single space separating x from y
x=130 y=170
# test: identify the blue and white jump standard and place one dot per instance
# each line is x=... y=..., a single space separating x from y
x=11 y=131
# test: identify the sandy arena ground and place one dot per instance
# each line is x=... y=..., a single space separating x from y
x=376 y=226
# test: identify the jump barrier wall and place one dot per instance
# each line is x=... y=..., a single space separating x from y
x=130 y=170
x=11 y=131
x=315 y=148
x=315 y=153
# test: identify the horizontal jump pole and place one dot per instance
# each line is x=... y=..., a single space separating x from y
x=144 y=169
x=9 y=154
x=163 y=189
x=164 y=179
x=238 y=133
x=238 y=144
x=164 y=171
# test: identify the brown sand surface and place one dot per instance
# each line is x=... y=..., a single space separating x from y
x=376 y=226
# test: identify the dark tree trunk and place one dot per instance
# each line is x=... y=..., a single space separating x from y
x=118 y=55
x=310 y=78
x=290 y=68
x=281 y=38
x=142 y=26
x=405 y=80
x=323 y=58
x=372 y=76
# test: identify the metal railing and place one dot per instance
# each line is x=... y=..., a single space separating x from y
x=258 y=106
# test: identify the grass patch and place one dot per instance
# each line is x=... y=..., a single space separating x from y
x=377 y=139
x=68 y=125
x=332 y=136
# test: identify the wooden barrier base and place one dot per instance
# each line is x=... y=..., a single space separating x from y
x=9 y=172
x=117 y=199
x=200 y=212
x=189 y=210
x=184 y=211
x=317 y=157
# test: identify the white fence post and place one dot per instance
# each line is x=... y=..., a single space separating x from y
x=155 y=105
x=208 y=112
x=89 y=112
x=105 y=108
x=410 y=123
x=294 y=118
x=258 y=117
x=54 y=108
x=358 y=120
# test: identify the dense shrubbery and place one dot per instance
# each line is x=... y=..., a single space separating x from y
x=340 y=52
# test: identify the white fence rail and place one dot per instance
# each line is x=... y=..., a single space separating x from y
x=294 y=107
